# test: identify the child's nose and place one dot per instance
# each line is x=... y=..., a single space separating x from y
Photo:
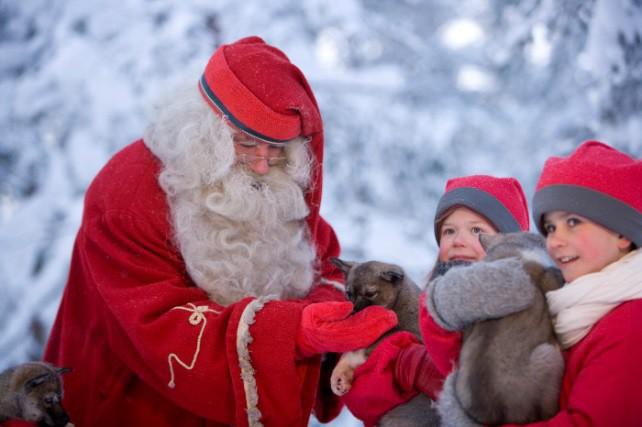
x=554 y=239
x=459 y=240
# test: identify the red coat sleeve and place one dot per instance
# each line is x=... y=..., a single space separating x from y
x=443 y=346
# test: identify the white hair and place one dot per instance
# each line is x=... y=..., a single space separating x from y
x=240 y=234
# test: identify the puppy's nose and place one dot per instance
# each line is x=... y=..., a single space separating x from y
x=61 y=420
x=360 y=304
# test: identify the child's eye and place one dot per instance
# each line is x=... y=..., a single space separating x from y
x=477 y=230
x=573 y=221
x=549 y=228
x=447 y=231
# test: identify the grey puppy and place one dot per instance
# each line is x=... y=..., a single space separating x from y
x=386 y=285
x=33 y=392
x=510 y=368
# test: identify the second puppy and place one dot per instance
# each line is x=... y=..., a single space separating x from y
x=33 y=392
x=379 y=283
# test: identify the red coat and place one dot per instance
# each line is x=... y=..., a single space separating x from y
x=148 y=348
x=602 y=383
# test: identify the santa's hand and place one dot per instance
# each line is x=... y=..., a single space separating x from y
x=484 y=290
x=330 y=327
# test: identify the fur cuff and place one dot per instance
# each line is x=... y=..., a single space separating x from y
x=243 y=341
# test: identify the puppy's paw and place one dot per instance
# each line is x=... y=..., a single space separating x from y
x=341 y=380
x=343 y=372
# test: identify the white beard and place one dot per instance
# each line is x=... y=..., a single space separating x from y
x=246 y=237
x=239 y=234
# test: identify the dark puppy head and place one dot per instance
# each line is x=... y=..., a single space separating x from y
x=371 y=283
x=38 y=386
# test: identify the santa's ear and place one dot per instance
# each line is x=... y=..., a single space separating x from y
x=344 y=266
x=392 y=276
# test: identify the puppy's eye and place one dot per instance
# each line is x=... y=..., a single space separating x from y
x=371 y=294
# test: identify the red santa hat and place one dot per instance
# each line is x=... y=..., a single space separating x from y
x=259 y=91
x=596 y=181
x=500 y=200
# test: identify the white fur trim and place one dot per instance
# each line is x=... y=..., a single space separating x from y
x=243 y=340
x=338 y=285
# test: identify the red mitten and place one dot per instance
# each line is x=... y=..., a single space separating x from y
x=329 y=327
x=415 y=370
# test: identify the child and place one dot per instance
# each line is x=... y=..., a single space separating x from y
x=399 y=367
x=589 y=207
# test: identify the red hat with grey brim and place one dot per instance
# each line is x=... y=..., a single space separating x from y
x=500 y=200
x=596 y=181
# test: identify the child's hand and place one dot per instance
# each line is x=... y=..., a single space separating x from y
x=481 y=291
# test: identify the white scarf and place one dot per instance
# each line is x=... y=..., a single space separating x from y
x=578 y=305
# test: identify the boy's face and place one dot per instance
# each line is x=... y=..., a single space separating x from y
x=459 y=236
x=579 y=246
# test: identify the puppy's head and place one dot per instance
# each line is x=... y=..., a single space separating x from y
x=525 y=245
x=371 y=283
x=38 y=386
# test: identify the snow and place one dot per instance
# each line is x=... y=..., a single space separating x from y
x=461 y=32
x=412 y=93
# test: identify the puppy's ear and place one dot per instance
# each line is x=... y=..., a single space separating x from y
x=392 y=276
x=534 y=269
x=36 y=381
x=344 y=266
x=62 y=371
x=486 y=240
x=552 y=279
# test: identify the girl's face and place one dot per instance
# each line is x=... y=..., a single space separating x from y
x=459 y=236
x=579 y=246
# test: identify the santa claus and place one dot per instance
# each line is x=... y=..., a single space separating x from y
x=200 y=291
